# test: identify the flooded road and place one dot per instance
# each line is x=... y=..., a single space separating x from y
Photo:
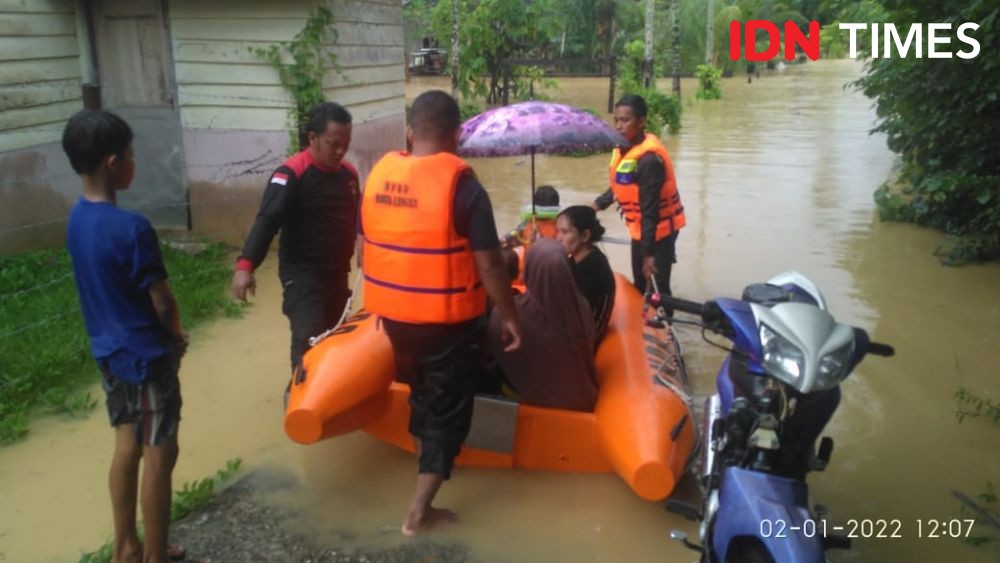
x=776 y=176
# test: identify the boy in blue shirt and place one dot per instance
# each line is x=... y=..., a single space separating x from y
x=132 y=320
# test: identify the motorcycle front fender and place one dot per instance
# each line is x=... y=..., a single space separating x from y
x=771 y=509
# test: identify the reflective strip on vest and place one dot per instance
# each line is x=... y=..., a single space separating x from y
x=622 y=178
x=417 y=269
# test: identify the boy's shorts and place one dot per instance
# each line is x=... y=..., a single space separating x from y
x=154 y=405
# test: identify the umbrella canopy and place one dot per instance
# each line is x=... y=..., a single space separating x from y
x=536 y=127
x=530 y=127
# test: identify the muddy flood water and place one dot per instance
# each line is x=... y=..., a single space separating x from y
x=776 y=176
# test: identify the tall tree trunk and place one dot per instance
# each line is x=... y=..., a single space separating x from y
x=454 y=48
x=612 y=67
x=647 y=63
x=675 y=9
x=710 y=34
x=562 y=42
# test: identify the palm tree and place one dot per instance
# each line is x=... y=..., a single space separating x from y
x=647 y=65
x=675 y=11
x=454 y=48
x=709 y=29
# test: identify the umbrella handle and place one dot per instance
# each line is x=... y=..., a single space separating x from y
x=532 y=185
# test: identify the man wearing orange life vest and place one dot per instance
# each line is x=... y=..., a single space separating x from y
x=643 y=183
x=430 y=258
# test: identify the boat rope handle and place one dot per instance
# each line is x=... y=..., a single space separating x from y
x=314 y=340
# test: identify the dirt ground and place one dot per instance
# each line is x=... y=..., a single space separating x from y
x=246 y=523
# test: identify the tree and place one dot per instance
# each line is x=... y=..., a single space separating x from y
x=648 y=80
x=453 y=55
x=492 y=32
x=676 y=47
x=709 y=33
x=721 y=45
x=663 y=111
x=941 y=117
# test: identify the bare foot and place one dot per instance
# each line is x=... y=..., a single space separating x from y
x=417 y=522
x=127 y=552
x=176 y=553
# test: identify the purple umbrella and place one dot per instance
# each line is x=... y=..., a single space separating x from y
x=530 y=127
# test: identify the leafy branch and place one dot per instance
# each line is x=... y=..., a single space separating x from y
x=303 y=76
x=984 y=509
x=970 y=405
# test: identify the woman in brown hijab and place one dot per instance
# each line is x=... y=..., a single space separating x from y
x=554 y=367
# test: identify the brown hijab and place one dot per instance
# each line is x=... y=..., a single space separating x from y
x=555 y=365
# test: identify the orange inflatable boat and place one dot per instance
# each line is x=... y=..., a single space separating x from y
x=641 y=427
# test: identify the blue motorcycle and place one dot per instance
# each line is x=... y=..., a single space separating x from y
x=776 y=390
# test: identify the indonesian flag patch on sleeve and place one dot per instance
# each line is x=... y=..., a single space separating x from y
x=279 y=178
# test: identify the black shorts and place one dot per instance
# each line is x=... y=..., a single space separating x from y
x=442 y=364
x=154 y=406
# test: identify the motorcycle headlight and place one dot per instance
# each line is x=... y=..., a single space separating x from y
x=833 y=366
x=782 y=359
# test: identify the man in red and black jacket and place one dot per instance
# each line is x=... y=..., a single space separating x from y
x=313 y=200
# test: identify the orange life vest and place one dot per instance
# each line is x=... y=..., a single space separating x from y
x=623 y=183
x=417 y=268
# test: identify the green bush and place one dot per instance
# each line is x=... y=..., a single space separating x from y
x=942 y=118
x=834 y=42
x=469 y=109
x=664 y=110
x=630 y=68
x=709 y=82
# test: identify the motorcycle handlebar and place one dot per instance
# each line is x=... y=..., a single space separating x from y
x=699 y=310
x=684 y=305
x=879 y=349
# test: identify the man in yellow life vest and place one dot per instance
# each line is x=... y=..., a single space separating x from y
x=643 y=183
x=431 y=256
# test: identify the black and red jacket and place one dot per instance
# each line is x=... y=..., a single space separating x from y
x=315 y=208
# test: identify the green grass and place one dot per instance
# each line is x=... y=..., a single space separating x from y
x=45 y=361
x=191 y=497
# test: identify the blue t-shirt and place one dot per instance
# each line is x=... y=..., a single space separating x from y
x=116 y=257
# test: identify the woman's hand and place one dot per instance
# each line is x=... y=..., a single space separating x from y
x=510 y=334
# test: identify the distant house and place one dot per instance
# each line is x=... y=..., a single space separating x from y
x=211 y=118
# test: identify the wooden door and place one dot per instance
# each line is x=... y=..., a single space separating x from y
x=135 y=68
